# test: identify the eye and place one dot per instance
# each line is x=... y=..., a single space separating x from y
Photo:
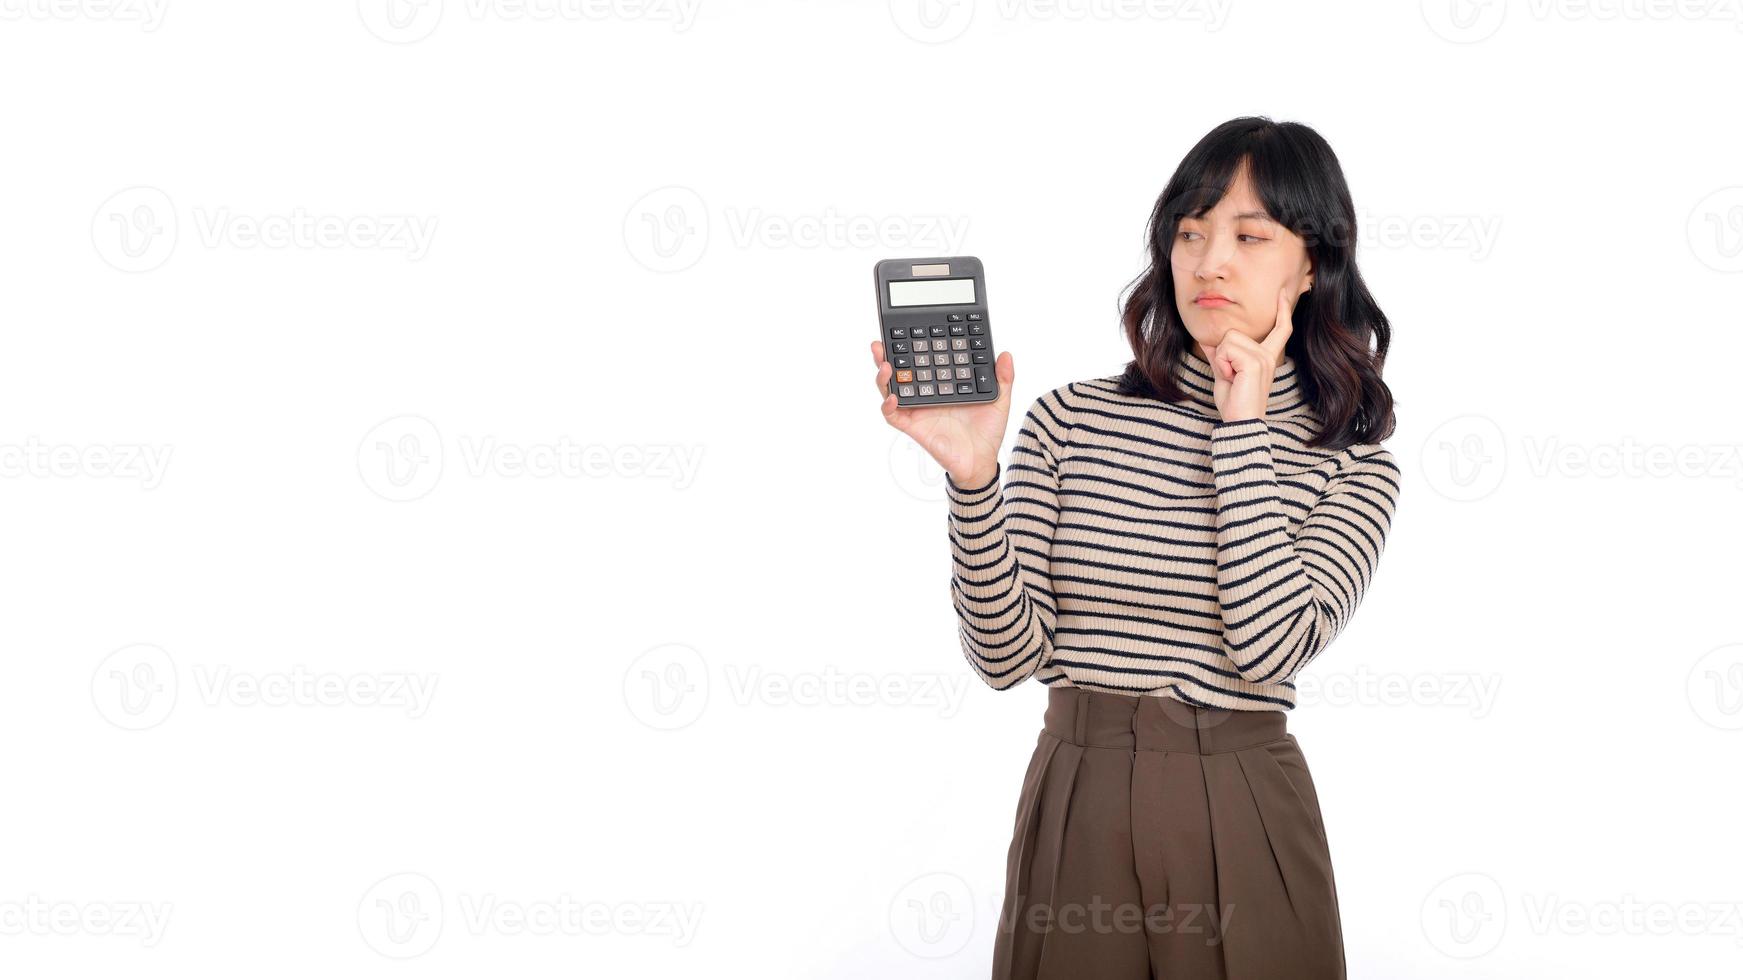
x=1256 y=238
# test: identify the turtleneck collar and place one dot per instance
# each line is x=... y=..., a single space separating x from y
x=1194 y=375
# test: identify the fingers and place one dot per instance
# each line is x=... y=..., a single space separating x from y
x=892 y=411
x=1285 y=325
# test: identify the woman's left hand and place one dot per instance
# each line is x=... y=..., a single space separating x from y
x=1243 y=368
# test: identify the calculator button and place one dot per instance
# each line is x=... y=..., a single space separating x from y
x=977 y=328
x=905 y=391
x=957 y=330
x=961 y=343
x=898 y=333
x=906 y=377
x=922 y=374
x=972 y=317
x=900 y=346
x=978 y=343
x=983 y=377
x=902 y=361
x=981 y=357
x=954 y=318
x=938 y=331
x=925 y=390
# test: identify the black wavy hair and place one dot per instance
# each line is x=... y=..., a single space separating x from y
x=1340 y=336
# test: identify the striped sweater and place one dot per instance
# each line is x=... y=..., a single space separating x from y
x=1143 y=547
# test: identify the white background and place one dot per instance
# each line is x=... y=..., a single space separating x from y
x=647 y=241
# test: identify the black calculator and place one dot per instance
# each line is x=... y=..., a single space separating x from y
x=936 y=335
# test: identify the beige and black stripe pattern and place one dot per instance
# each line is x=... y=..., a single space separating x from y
x=1143 y=547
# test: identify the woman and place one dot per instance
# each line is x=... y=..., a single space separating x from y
x=1171 y=546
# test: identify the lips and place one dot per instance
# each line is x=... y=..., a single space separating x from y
x=1212 y=299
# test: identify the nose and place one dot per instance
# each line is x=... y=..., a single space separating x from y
x=1213 y=259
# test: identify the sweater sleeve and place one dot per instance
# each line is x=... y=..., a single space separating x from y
x=1001 y=542
x=1283 y=600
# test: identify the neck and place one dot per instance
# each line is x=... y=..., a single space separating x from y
x=1196 y=379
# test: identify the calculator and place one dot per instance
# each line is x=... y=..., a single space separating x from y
x=937 y=339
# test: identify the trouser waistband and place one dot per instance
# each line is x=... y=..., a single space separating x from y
x=1150 y=722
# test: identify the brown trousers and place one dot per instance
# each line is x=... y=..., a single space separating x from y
x=1160 y=841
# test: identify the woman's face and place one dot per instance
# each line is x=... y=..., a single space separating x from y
x=1236 y=251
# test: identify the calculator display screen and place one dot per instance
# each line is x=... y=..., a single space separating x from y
x=932 y=292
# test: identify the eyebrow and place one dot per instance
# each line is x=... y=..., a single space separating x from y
x=1260 y=215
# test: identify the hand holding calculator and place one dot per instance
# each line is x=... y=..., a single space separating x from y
x=932 y=314
x=936 y=353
